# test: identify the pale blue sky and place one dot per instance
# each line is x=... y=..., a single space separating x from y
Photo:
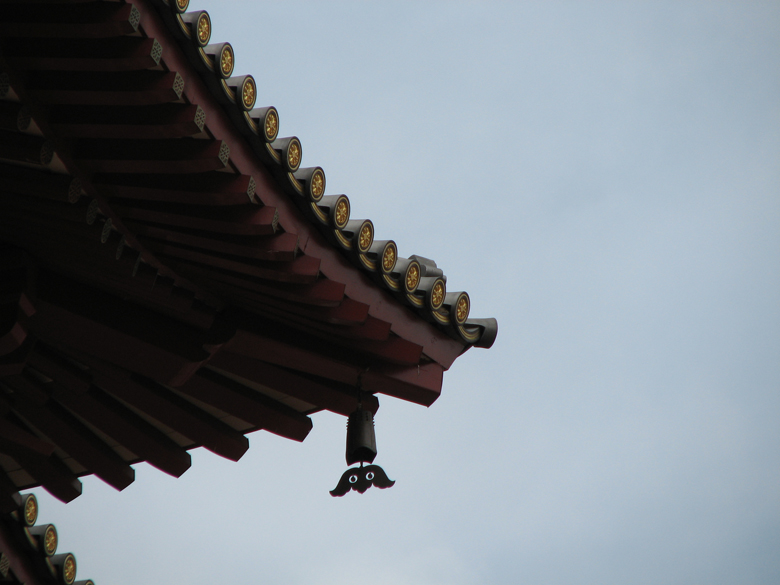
x=603 y=178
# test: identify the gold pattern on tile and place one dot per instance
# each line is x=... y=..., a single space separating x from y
x=294 y=154
x=30 y=510
x=388 y=258
x=412 y=277
x=366 y=237
x=50 y=540
x=342 y=213
x=317 y=184
x=182 y=4
x=437 y=294
x=462 y=309
x=271 y=125
x=248 y=93
x=226 y=61
x=69 y=569
x=204 y=28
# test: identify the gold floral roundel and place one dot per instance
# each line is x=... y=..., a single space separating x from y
x=50 y=540
x=271 y=125
x=248 y=92
x=204 y=28
x=462 y=309
x=69 y=569
x=412 y=277
x=317 y=184
x=226 y=60
x=182 y=5
x=342 y=212
x=30 y=510
x=388 y=257
x=294 y=154
x=437 y=294
x=366 y=237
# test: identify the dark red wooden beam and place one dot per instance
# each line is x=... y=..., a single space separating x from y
x=23 y=386
x=51 y=472
x=16 y=278
x=118 y=54
x=277 y=248
x=133 y=122
x=125 y=88
x=322 y=394
x=373 y=329
x=173 y=411
x=15 y=441
x=54 y=476
x=347 y=335
x=29 y=211
x=39 y=184
x=13 y=363
x=350 y=314
x=212 y=189
x=339 y=325
x=74 y=438
x=420 y=384
x=275 y=344
x=323 y=292
x=345 y=340
x=130 y=430
x=97 y=265
x=133 y=337
x=13 y=330
x=245 y=220
x=78 y=218
x=83 y=20
x=80 y=251
x=25 y=148
x=14 y=116
x=302 y=270
x=9 y=500
x=49 y=362
x=247 y=404
x=151 y=156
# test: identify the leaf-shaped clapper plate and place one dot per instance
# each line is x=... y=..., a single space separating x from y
x=360 y=479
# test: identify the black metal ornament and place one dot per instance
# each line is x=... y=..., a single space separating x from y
x=361 y=448
x=360 y=479
x=361 y=437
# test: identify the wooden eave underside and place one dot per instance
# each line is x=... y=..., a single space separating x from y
x=158 y=289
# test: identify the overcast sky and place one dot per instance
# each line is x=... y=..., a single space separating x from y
x=604 y=179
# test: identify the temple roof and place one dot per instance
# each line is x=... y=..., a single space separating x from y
x=172 y=276
x=28 y=551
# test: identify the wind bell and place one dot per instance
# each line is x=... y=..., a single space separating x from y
x=361 y=448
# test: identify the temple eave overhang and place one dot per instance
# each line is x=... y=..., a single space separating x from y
x=172 y=276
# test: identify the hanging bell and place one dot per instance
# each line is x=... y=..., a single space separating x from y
x=361 y=448
x=361 y=438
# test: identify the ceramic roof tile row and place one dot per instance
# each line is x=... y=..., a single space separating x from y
x=415 y=281
x=28 y=552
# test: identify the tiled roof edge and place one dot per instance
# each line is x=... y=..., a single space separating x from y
x=416 y=282
x=29 y=553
